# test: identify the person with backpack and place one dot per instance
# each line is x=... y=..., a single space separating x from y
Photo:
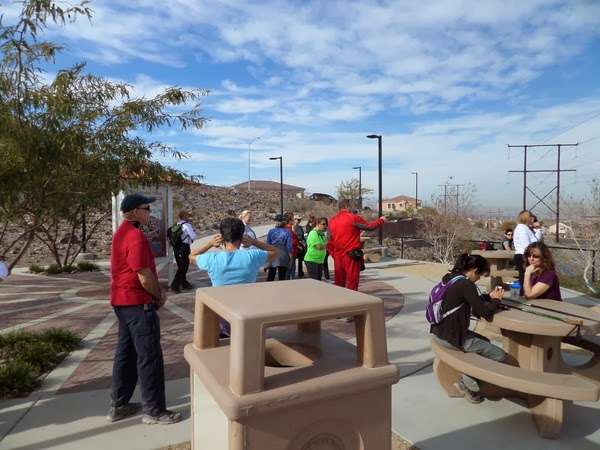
x=181 y=235
x=299 y=230
x=449 y=309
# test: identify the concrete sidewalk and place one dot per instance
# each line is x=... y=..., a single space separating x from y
x=422 y=413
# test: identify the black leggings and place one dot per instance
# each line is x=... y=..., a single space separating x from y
x=282 y=271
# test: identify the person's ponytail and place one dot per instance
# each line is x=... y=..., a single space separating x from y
x=465 y=262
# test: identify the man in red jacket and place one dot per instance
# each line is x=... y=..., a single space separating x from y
x=344 y=230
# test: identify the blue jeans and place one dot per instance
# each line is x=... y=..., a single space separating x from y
x=139 y=354
x=475 y=343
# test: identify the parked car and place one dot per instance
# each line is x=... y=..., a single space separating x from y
x=318 y=197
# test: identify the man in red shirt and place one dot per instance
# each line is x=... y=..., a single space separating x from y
x=344 y=231
x=136 y=296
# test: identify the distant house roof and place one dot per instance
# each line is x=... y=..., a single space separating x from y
x=399 y=198
x=264 y=185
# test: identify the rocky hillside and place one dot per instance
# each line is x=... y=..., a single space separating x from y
x=207 y=205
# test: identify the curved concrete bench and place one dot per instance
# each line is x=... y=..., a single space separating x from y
x=450 y=364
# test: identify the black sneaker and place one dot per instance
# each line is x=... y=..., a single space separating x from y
x=175 y=289
x=188 y=287
x=166 y=418
x=116 y=413
x=470 y=396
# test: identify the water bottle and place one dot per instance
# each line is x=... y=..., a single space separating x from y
x=515 y=290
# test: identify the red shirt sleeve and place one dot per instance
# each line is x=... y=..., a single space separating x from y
x=369 y=225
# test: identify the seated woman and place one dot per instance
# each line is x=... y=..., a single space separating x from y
x=540 y=279
x=453 y=331
x=507 y=244
x=232 y=265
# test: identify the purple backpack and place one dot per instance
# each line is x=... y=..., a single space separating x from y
x=433 y=311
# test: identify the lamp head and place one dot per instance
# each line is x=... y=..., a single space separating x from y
x=357 y=167
x=374 y=136
x=272 y=158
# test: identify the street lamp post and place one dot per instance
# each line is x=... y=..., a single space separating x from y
x=359 y=186
x=249 y=163
x=280 y=158
x=416 y=174
x=378 y=137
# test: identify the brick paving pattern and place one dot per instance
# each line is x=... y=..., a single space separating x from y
x=92 y=289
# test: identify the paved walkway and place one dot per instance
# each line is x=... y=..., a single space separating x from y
x=68 y=412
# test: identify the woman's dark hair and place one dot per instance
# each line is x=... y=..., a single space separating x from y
x=508 y=230
x=232 y=229
x=546 y=259
x=280 y=221
x=323 y=219
x=466 y=262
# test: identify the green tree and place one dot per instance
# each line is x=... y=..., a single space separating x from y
x=67 y=144
x=350 y=189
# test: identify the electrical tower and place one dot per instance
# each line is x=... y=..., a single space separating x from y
x=558 y=170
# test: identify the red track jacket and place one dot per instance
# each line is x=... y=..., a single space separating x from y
x=344 y=231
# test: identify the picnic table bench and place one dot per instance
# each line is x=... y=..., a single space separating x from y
x=535 y=370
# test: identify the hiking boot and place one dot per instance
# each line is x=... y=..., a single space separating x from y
x=470 y=396
x=116 y=413
x=187 y=287
x=166 y=418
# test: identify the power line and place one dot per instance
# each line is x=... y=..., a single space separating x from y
x=572 y=127
x=558 y=170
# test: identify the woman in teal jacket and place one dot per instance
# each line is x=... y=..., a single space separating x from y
x=316 y=243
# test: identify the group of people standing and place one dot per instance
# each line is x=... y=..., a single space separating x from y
x=298 y=246
x=136 y=294
x=339 y=237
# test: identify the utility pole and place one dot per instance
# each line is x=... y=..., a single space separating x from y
x=249 y=158
x=456 y=194
x=558 y=170
x=280 y=158
x=380 y=170
x=457 y=187
x=416 y=174
x=359 y=186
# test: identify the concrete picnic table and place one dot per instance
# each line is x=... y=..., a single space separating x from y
x=534 y=342
x=500 y=264
x=535 y=370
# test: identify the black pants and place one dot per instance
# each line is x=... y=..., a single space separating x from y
x=139 y=354
x=518 y=262
x=326 y=266
x=281 y=271
x=300 y=258
x=182 y=257
x=315 y=270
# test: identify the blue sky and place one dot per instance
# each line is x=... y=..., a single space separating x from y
x=447 y=83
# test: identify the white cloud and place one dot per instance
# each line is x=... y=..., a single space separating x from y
x=447 y=51
x=240 y=105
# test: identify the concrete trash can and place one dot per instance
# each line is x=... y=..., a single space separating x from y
x=280 y=383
